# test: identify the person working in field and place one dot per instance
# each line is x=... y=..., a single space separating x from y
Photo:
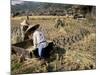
x=39 y=40
x=23 y=27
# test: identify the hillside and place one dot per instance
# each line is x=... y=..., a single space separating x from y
x=41 y=8
x=38 y=7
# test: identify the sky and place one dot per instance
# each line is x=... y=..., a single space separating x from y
x=13 y=2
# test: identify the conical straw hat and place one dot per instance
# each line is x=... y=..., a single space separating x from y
x=24 y=23
x=32 y=28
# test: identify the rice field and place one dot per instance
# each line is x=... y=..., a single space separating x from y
x=75 y=44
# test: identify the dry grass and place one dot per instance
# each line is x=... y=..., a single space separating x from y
x=80 y=55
